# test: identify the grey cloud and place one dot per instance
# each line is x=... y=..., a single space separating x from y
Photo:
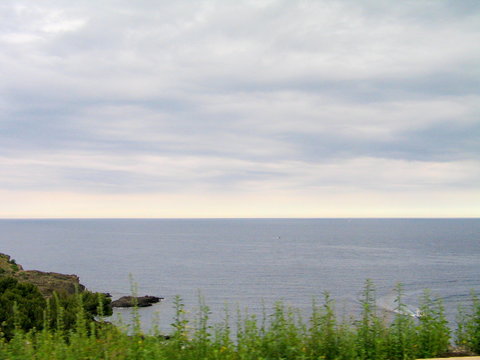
x=306 y=82
x=364 y=91
x=441 y=142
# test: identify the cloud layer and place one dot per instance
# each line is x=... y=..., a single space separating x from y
x=282 y=103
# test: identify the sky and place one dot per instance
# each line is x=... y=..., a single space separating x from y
x=258 y=108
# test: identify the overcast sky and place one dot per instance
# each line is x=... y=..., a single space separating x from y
x=261 y=108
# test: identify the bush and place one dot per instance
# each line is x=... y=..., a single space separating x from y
x=433 y=330
x=64 y=309
x=279 y=333
x=468 y=326
x=21 y=306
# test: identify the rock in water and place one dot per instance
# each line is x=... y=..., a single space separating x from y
x=140 y=301
x=50 y=282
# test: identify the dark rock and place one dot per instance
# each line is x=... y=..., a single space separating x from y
x=50 y=282
x=140 y=301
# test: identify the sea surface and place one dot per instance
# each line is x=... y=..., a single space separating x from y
x=251 y=263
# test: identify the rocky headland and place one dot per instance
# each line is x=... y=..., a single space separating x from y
x=50 y=282
x=47 y=282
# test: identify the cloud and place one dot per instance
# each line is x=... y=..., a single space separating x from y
x=131 y=98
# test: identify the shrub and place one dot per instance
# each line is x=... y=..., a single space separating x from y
x=21 y=306
x=468 y=326
x=402 y=333
x=63 y=309
x=279 y=334
x=433 y=330
x=371 y=329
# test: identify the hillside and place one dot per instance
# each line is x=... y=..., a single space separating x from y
x=47 y=282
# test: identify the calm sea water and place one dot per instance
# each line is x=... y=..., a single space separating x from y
x=244 y=262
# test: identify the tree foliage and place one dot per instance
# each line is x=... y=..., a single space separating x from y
x=21 y=306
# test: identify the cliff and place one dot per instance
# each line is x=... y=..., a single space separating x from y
x=47 y=282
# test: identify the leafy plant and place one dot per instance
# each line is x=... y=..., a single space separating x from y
x=370 y=330
x=279 y=333
x=433 y=330
x=468 y=326
x=21 y=306
x=402 y=335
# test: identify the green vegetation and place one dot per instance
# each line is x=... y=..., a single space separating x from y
x=52 y=316
x=279 y=333
x=33 y=300
x=22 y=306
x=433 y=331
x=468 y=329
x=8 y=266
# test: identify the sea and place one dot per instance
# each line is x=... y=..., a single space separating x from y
x=249 y=264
